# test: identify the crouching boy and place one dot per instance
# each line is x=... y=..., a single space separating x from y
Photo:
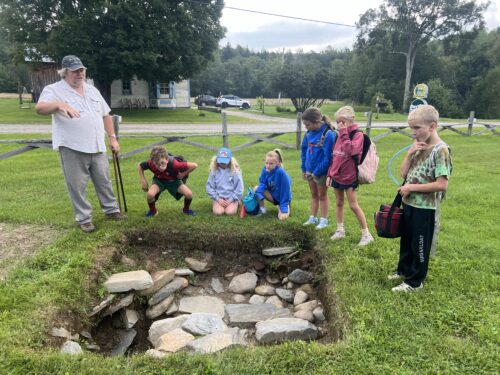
x=168 y=175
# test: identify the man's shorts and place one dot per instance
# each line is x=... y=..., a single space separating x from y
x=336 y=185
x=171 y=185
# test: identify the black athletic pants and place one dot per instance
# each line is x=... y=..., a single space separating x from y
x=415 y=244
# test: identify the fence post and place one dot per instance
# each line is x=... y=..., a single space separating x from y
x=225 y=137
x=298 y=133
x=471 y=123
x=369 y=123
x=116 y=125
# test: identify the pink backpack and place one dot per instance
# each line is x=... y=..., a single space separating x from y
x=366 y=169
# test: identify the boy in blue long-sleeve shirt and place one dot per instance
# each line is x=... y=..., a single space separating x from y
x=316 y=156
x=274 y=185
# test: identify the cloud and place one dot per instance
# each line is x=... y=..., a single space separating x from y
x=293 y=35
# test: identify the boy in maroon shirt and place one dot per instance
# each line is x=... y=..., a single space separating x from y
x=168 y=175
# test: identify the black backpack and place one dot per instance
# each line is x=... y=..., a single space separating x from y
x=170 y=165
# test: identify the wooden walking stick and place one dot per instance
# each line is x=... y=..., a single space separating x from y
x=115 y=167
x=121 y=183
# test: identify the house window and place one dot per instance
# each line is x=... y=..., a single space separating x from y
x=126 y=88
x=167 y=89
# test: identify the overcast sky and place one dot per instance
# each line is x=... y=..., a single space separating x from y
x=258 y=31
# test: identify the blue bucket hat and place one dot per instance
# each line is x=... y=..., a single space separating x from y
x=72 y=63
x=224 y=156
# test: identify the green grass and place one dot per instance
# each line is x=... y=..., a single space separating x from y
x=11 y=113
x=451 y=326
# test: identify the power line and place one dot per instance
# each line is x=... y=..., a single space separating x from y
x=290 y=17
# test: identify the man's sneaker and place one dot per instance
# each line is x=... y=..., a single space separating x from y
x=115 y=216
x=323 y=223
x=365 y=240
x=189 y=212
x=338 y=235
x=313 y=220
x=87 y=227
x=394 y=276
x=404 y=287
x=151 y=214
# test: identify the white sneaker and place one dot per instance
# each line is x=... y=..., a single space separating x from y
x=311 y=221
x=323 y=223
x=394 y=276
x=365 y=240
x=404 y=287
x=338 y=235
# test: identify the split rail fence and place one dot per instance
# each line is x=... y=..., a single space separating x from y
x=465 y=129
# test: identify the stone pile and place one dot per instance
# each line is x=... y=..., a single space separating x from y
x=237 y=309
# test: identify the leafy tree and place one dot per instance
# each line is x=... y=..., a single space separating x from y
x=117 y=39
x=403 y=26
x=443 y=98
x=306 y=84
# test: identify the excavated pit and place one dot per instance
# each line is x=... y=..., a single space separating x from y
x=226 y=256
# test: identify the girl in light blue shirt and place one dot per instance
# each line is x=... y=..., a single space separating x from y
x=225 y=183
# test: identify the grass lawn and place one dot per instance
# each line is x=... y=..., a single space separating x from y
x=451 y=326
x=13 y=114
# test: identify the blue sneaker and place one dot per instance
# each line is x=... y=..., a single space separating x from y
x=311 y=221
x=323 y=223
x=151 y=214
x=190 y=212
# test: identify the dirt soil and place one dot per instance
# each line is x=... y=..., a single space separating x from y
x=20 y=241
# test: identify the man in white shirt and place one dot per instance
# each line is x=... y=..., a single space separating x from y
x=80 y=119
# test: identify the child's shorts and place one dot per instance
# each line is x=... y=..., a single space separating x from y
x=336 y=185
x=171 y=185
x=320 y=181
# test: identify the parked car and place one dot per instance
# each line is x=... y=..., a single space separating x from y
x=204 y=100
x=225 y=101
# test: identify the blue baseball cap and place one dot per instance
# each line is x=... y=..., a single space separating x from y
x=72 y=63
x=224 y=155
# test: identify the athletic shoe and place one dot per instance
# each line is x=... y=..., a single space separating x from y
x=151 y=214
x=189 y=212
x=116 y=216
x=338 y=235
x=87 y=227
x=313 y=220
x=394 y=276
x=365 y=240
x=323 y=223
x=404 y=287
x=262 y=211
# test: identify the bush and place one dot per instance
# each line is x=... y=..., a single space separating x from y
x=280 y=108
x=385 y=105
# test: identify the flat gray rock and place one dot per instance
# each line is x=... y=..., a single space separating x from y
x=217 y=285
x=299 y=276
x=125 y=281
x=277 y=251
x=119 y=304
x=309 y=306
x=174 y=341
x=201 y=324
x=126 y=339
x=158 y=309
x=244 y=283
x=197 y=265
x=202 y=304
x=300 y=297
x=285 y=294
x=129 y=317
x=256 y=299
x=102 y=305
x=246 y=314
x=183 y=272
x=71 y=347
x=265 y=290
x=160 y=327
x=176 y=284
x=160 y=279
x=219 y=340
x=284 y=329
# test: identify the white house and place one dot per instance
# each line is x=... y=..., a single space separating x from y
x=141 y=94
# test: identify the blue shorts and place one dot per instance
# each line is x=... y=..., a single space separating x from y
x=336 y=185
